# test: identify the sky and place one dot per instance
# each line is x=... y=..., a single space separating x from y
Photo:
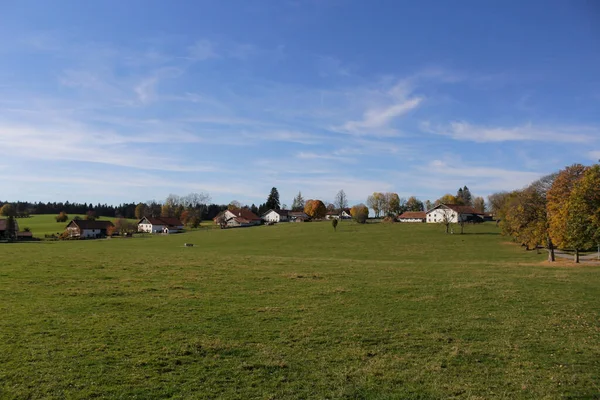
x=129 y=101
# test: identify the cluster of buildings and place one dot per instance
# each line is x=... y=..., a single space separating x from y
x=242 y=217
x=452 y=213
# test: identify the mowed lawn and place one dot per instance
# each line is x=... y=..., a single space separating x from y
x=297 y=311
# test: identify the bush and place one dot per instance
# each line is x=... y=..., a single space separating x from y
x=62 y=217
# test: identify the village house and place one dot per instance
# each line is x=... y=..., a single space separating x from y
x=298 y=216
x=452 y=213
x=276 y=216
x=160 y=225
x=88 y=229
x=412 y=216
x=345 y=214
x=237 y=218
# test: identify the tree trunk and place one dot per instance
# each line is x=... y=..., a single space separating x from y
x=447 y=228
x=551 y=252
x=462 y=228
x=576 y=256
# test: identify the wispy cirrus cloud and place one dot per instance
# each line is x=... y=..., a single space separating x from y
x=303 y=155
x=203 y=49
x=377 y=119
x=465 y=131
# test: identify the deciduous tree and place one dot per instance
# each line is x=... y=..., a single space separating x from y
x=376 y=202
x=359 y=213
x=393 y=204
x=315 y=209
x=558 y=203
x=8 y=210
x=341 y=201
x=479 y=204
x=166 y=210
x=140 y=211
x=446 y=199
x=414 y=204
x=234 y=205
x=583 y=212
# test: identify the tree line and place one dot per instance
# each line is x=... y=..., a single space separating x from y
x=561 y=210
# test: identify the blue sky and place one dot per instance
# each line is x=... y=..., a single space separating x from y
x=127 y=101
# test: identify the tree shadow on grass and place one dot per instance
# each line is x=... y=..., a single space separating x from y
x=480 y=233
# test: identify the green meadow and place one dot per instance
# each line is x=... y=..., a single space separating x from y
x=375 y=311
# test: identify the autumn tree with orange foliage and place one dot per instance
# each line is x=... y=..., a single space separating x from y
x=315 y=209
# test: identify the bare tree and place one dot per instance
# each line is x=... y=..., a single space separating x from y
x=341 y=201
x=447 y=215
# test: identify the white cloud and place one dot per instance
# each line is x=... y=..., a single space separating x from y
x=202 y=50
x=145 y=90
x=386 y=106
x=375 y=120
x=477 y=133
x=320 y=156
x=594 y=155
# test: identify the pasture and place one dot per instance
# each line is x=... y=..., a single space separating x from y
x=297 y=311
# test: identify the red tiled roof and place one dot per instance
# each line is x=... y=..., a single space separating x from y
x=413 y=215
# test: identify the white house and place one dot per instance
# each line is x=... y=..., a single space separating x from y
x=276 y=216
x=298 y=216
x=453 y=213
x=412 y=216
x=238 y=217
x=345 y=214
x=88 y=229
x=160 y=225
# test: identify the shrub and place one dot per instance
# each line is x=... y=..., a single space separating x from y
x=62 y=217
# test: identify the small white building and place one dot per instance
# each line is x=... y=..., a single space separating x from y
x=160 y=225
x=452 y=213
x=276 y=216
x=345 y=214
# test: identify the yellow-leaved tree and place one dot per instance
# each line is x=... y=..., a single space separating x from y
x=558 y=203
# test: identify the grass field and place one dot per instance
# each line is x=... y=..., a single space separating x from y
x=372 y=311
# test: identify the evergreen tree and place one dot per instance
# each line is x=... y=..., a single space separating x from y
x=467 y=197
x=298 y=203
x=273 y=200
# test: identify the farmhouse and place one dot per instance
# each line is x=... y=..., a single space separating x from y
x=238 y=217
x=298 y=216
x=412 y=216
x=160 y=225
x=345 y=214
x=276 y=216
x=88 y=229
x=453 y=213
